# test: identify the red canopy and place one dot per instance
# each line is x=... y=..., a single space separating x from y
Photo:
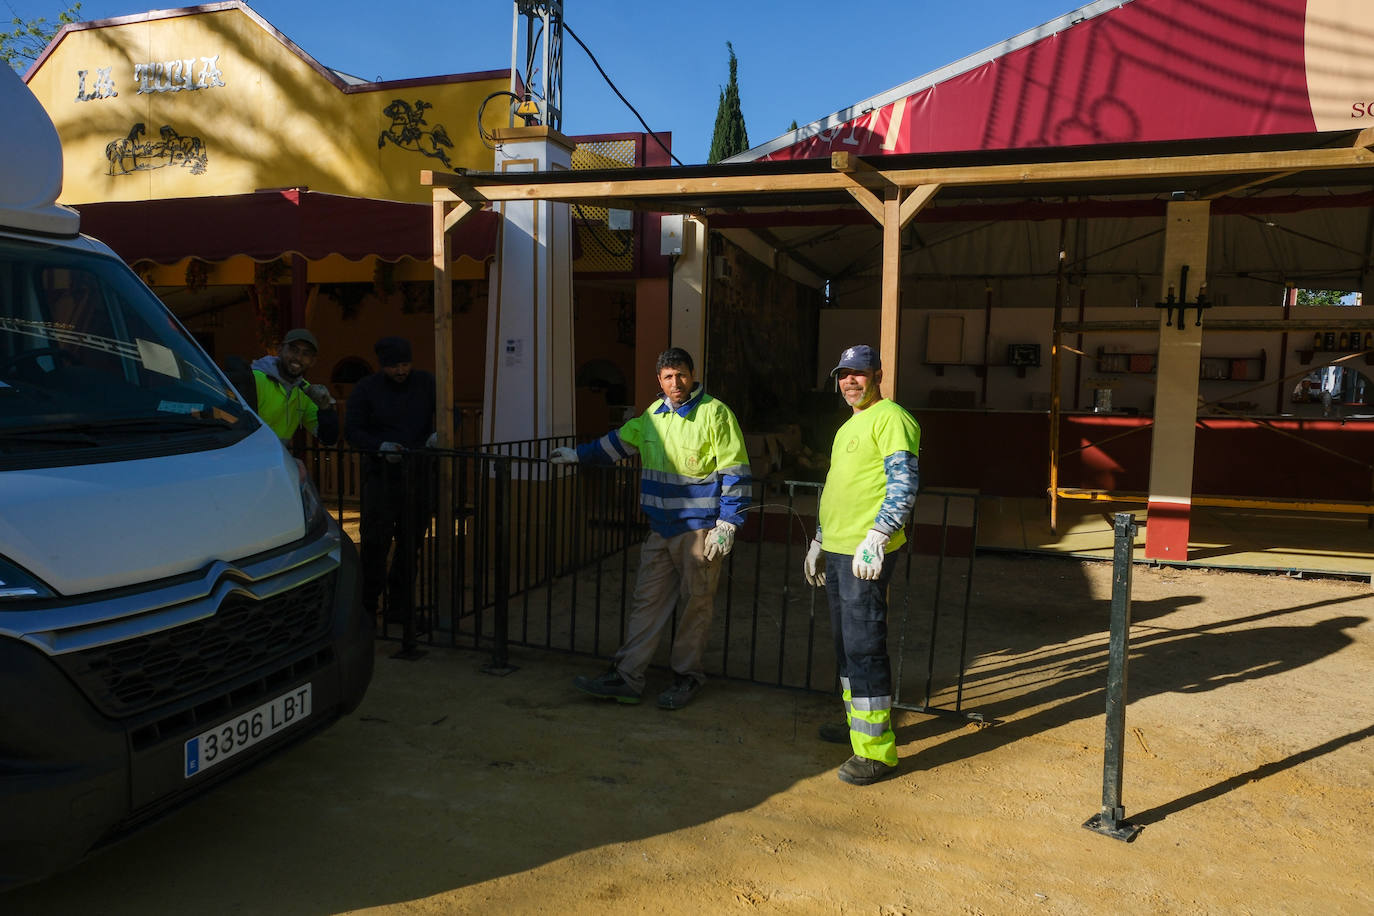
x=268 y=224
x=1116 y=71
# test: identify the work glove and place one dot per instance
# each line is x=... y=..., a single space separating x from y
x=868 y=559
x=320 y=395
x=433 y=440
x=813 y=567
x=563 y=455
x=720 y=540
x=392 y=451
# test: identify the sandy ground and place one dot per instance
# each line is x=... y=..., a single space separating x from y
x=1249 y=764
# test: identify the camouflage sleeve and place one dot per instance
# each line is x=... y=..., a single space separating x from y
x=902 y=483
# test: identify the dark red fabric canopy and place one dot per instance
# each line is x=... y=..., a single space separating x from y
x=268 y=224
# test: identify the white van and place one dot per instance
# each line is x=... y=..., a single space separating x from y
x=175 y=603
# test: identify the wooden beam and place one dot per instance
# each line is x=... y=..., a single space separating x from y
x=868 y=200
x=1224 y=189
x=457 y=214
x=916 y=202
x=849 y=163
x=474 y=189
x=1364 y=139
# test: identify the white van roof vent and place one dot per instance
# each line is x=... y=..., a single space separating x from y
x=31 y=159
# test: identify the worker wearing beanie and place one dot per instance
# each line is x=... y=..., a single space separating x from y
x=391 y=415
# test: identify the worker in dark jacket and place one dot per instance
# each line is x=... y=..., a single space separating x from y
x=390 y=416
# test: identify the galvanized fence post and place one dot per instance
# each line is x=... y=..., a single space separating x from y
x=1111 y=819
x=500 y=660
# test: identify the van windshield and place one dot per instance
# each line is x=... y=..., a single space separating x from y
x=90 y=357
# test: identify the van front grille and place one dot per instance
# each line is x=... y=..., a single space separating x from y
x=130 y=677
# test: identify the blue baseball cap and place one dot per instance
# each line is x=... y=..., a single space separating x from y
x=862 y=357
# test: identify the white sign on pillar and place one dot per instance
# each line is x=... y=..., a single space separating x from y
x=530 y=361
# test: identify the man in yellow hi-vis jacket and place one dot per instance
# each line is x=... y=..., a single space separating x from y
x=694 y=490
x=869 y=493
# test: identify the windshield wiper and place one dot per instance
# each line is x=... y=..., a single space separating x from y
x=55 y=433
x=86 y=432
x=161 y=422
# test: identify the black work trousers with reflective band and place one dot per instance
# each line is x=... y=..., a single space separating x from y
x=397 y=502
x=858 y=618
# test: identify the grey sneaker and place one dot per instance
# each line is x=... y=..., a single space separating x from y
x=861 y=771
x=609 y=685
x=680 y=694
x=834 y=732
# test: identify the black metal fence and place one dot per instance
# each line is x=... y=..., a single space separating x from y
x=545 y=556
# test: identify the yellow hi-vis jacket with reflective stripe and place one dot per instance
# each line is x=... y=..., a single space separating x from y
x=695 y=464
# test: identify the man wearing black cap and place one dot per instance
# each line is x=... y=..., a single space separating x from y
x=390 y=414
x=283 y=398
x=869 y=493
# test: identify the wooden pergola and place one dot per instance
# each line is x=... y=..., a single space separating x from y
x=893 y=190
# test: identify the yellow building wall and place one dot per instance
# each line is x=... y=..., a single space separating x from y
x=276 y=121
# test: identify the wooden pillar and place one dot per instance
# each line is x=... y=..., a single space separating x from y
x=443 y=414
x=889 y=342
x=1176 y=383
x=443 y=221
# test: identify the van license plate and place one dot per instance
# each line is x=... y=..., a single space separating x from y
x=238 y=734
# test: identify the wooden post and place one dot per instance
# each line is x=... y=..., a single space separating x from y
x=889 y=344
x=443 y=401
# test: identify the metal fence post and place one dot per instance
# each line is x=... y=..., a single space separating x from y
x=500 y=662
x=1111 y=819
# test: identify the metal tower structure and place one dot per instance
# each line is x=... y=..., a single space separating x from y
x=541 y=70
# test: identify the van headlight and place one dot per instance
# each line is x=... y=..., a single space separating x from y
x=17 y=585
x=312 y=504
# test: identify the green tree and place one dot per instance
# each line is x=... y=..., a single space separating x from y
x=730 y=136
x=1321 y=296
x=21 y=45
x=793 y=125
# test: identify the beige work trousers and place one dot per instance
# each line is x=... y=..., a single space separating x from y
x=669 y=568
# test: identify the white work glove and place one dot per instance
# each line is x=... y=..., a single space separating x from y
x=433 y=440
x=563 y=455
x=320 y=395
x=720 y=540
x=813 y=567
x=392 y=451
x=868 y=559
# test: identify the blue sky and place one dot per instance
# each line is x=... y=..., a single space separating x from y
x=798 y=60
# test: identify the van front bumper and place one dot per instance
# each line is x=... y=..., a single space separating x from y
x=102 y=698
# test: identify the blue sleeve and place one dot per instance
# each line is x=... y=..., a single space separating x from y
x=609 y=449
x=902 y=482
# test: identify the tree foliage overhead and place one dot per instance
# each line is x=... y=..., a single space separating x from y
x=21 y=45
x=1321 y=296
x=730 y=136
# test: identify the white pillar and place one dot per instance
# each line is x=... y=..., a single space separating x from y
x=530 y=361
x=691 y=275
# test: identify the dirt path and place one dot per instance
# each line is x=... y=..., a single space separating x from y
x=1249 y=761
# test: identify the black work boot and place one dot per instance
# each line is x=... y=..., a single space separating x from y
x=610 y=685
x=861 y=771
x=834 y=732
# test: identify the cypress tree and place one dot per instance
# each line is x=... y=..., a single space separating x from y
x=730 y=136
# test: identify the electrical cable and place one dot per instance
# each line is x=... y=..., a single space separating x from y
x=488 y=140
x=618 y=93
x=593 y=227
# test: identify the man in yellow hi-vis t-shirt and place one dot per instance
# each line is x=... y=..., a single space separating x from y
x=869 y=493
